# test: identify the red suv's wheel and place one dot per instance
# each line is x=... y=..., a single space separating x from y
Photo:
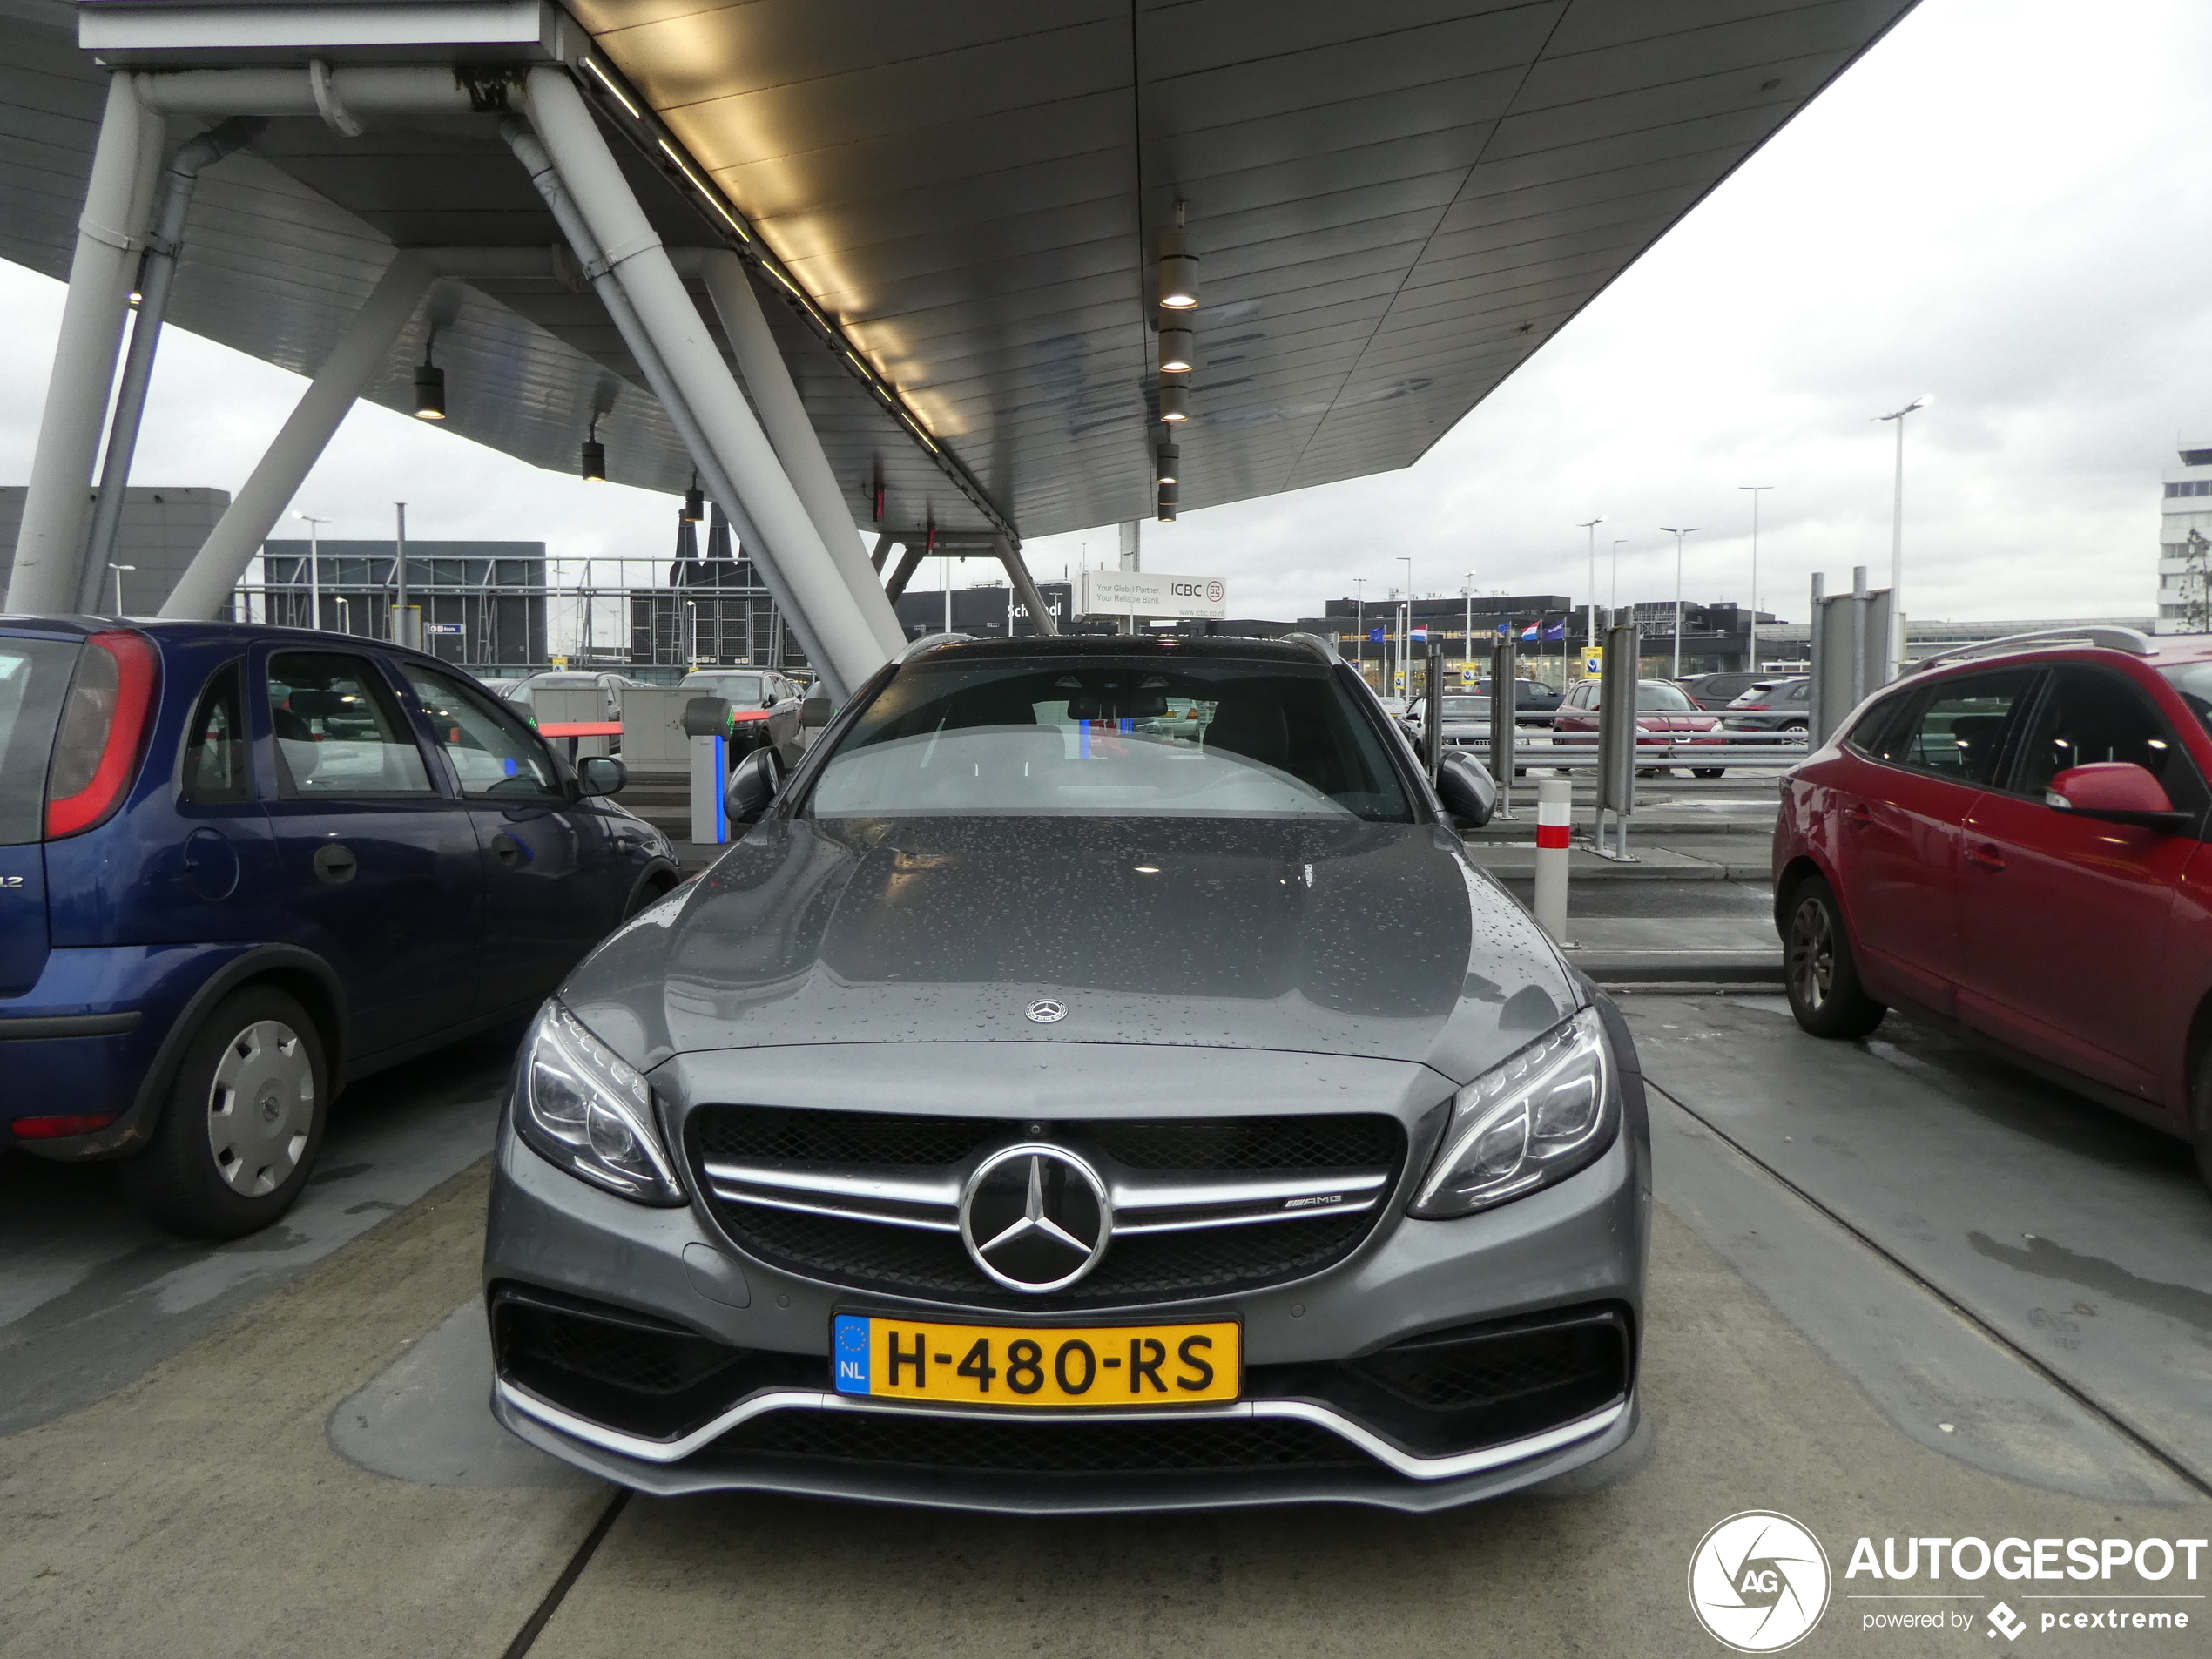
x=1818 y=969
x=2200 y=1118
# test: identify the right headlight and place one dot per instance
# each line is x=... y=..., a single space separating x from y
x=583 y=1107
x=1533 y=1121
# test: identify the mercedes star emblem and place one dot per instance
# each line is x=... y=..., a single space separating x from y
x=1046 y=1013
x=1035 y=1218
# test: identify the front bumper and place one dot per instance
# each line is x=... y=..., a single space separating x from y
x=1577 y=1247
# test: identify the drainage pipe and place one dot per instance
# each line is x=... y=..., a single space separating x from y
x=642 y=346
x=359 y=354
x=338 y=96
x=849 y=650
x=798 y=445
x=157 y=272
x=110 y=233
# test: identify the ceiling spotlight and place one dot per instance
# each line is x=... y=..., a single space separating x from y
x=1175 y=403
x=1164 y=471
x=1170 y=497
x=593 y=463
x=1179 y=268
x=1176 y=347
x=429 y=386
x=694 y=502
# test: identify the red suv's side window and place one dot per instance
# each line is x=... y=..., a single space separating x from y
x=1957 y=727
x=2087 y=715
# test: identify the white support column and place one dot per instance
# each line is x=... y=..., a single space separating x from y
x=299 y=442
x=641 y=264
x=109 y=234
x=768 y=377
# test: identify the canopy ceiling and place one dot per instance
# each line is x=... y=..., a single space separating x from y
x=1395 y=202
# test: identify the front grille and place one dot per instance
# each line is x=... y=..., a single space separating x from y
x=1009 y=1446
x=1448 y=1376
x=628 y=1370
x=925 y=1159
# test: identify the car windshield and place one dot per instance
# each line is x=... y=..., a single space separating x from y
x=743 y=689
x=1111 y=737
x=2193 y=682
x=34 y=674
x=1657 y=697
x=1466 y=708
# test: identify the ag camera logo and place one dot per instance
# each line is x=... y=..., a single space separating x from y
x=1758 y=1582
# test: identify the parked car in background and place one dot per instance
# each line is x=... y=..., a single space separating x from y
x=2014 y=840
x=744 y=689
x=500 y=687
x=1772 y=705
x=613 y=686
x=1466 y=718
x=1665 y=717
x=242 y=866
x=1716 y=691
x=1534 y=701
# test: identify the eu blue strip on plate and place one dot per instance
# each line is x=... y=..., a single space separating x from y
x=850 y=1355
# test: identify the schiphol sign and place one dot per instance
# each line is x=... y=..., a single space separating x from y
x=1142 y=593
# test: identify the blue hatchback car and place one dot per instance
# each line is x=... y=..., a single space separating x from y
x=241 y=866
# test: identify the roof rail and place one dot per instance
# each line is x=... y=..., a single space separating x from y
x=929 y=642
x=2132 y=641
x=1329 y=653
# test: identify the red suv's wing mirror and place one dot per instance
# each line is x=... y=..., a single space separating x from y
x=2117 y=792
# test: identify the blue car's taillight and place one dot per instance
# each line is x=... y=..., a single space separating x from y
x=102 y=729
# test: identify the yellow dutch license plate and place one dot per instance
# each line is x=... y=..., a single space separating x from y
x=989 y=1365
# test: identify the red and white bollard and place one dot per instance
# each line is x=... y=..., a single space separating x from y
x=1554 y=796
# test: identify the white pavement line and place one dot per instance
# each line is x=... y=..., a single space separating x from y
x=1923 y=1359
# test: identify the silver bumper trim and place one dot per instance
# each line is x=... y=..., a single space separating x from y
x=784 y=1400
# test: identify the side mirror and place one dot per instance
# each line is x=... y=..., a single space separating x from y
x=2115 y=792
x=1464 y=786
x=706 y=717
x=815 y=712
x=753 y=783
x=601 y=775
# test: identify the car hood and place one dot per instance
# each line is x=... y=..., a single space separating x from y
x=1302 y=935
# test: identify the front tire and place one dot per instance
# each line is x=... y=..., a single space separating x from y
x=2201 y=1119
x=1818 y=970
x=243 y=1122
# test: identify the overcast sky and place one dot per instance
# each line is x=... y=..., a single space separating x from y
x=2002 y=205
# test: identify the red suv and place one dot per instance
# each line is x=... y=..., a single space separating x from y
x=2013 y=842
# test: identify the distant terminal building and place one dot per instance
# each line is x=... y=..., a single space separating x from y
x=2185 y=564
x=987 y=612
x=159 y=531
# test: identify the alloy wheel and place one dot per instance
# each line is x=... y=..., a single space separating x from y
x=1812 y=953
x=260 y=1107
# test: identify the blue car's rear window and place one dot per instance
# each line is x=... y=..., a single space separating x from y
x=34 y=676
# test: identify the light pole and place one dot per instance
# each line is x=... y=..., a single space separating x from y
x=1406 y=631
x=1359 y=620
x=1466 y=628
x=1617 y=541
x=315 y=567
x=1754 y=490
x=345 y=611
x=1897 y=529
x=1669 y=529
x=120 y=570
x=1589 y=634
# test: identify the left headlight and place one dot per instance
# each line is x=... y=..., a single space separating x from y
x=583 y=1107
x=1538 y=1118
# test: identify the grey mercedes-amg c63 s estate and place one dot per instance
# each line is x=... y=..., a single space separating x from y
x=1097 y=1080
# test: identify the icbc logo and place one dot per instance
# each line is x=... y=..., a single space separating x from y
x=1216 y=593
